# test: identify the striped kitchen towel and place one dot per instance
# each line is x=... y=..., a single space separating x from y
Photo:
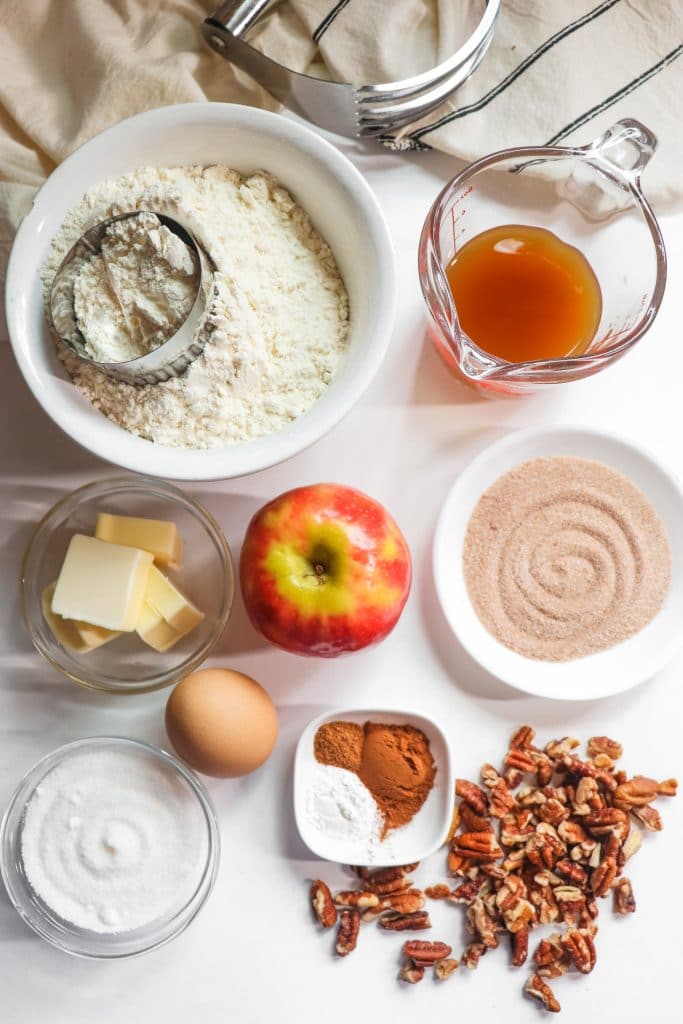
x=557 y=71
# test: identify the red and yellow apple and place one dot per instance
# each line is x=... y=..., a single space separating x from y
x=324 y=570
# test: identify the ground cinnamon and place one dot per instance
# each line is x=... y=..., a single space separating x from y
x=339 y=744
x=393 y=761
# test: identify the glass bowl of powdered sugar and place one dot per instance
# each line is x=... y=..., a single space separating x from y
x=109 y=848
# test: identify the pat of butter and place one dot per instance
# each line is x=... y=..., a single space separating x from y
x=153 y=628
x=157 y=536
x=77 y=636
x=173 y=606
x=102 y=583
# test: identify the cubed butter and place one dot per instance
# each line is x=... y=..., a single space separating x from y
x=102 y=583
x=153 y=628
x=157 y=536
x=80 y=637
x=173 y=606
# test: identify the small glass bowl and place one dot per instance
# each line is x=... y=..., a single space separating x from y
x=126 y=664
x=82 y=941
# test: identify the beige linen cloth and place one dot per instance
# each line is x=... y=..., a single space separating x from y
x=557 y=70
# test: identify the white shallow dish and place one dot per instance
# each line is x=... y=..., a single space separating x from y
x=416 y=840
x=599 y=675
x=328 y=186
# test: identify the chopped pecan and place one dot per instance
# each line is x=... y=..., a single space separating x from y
x=374 y=913
x=632 y=843
x=406 y=902
x=544 y=768
x=624 y=900
x=466 y=892
x=438 y=892
x=520 y=761
x=415 y=922
x=636 y=792
x=571 y=832
x=520 y=946
x=603 y=876
x=543 y=898
x=426 y=953
x=347 y=936
x=411 y=972
x=478 y=846
x=544 y=849
x=580 y=948
x=389 y=886
x=455 y=823
x=539 y=989
x=444 y=968
x=356 y=898
x=382 y=875
x=456 y=863
x=548 y=951
x=473 y=795
x=472 y=954
x=513 y=777
x=323 y=904
x=501 y=800
x=553 y=812
x=604 y=745
x=523 y=737
x=570 y=902
x=649 y=817
x=587 y=770
x=557 y=749
x=482 y=925
x=571 y=871
x=472 y=822
x=555 y=970
x=668 y=787
x=586 y=795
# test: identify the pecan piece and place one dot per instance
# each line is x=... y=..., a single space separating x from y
x=649 y=817
x=548 y=951
x=356 y=898
x=571 y=871
x=580 y=948
x=624 y=900
x=473 y=795
x=603 y=876
x=538 y=988
x=523 y=737
x=478 y=846
x=520 y=760
x=587 y=770
x=556 y=749
x=604 y=745
x=323 y=904
x=609 y=821
x=466 y=892
x=415 y=922
x=444 y=968
x=636 y=792
x=501 y=800
x=424 y=954
x=473 y=953
x=571 y=832
x=405 y=902
x=456 y=863
x=382 y=875
x=347 y=936
x=410 y=972
x=472 y=822
x=388 y=886
x=438 y=892
x=482 y=925
x=632 y=843
x=455 y=823
x=520 y=946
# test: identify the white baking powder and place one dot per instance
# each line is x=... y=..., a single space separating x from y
x=340 y=806
x=112 y=841
x=277 y=324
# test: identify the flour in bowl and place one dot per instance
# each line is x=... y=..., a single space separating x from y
x=276 y=325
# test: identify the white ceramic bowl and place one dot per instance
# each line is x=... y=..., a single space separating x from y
x=414 y=841
x=598 y=675
x=333 y=192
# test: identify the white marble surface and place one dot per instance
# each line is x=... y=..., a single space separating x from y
x=253 y=954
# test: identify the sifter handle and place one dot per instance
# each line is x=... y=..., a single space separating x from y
x=237 y=16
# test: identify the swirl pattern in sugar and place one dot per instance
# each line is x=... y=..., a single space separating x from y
x=565 y=557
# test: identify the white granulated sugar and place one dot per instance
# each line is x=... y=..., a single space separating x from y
x=277 y=323
x=136 y=292
x=340 y=806
x=112 y=841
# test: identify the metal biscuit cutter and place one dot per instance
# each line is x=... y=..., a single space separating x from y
x=369 y=110
x=169 y=359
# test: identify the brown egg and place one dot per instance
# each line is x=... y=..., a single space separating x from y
x=221 y=722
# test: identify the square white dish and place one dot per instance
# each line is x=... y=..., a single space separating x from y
x=611 y=671
x=414 y=841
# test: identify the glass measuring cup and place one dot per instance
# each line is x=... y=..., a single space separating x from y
x=589 y=196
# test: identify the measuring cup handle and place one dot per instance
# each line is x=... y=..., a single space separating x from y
x=626 y=147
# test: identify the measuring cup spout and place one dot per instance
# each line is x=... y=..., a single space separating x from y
x=623 y=151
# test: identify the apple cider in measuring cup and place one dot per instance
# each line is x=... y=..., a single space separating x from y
x=521 y=293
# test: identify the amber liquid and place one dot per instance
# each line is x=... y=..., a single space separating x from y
x=521 y=293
